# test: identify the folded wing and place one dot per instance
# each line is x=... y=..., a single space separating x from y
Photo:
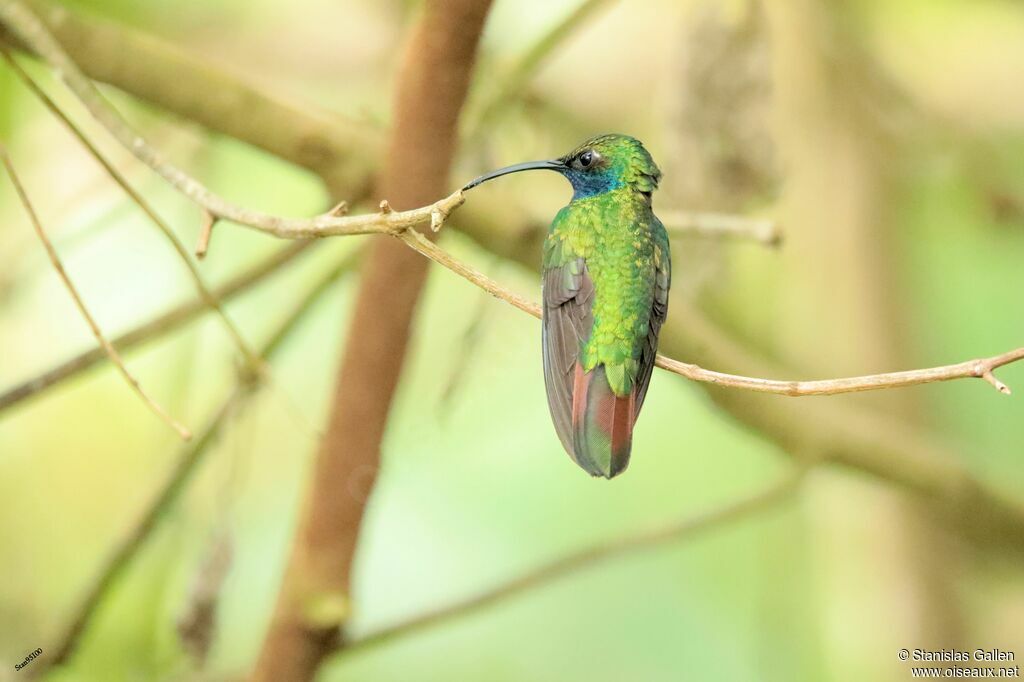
x=568 y=319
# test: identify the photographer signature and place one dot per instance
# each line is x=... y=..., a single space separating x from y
x=28 y=659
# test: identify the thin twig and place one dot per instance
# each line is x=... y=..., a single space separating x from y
x=30 y=30
x=400 y=224
x=204 y=291
x=151 y=329
x=424 y=246
x=100 y=338
x=721 y=225
x=331 y=223
x=187 y=84
x=150 y=50
x=205 y=232
x=466 y=352
x=686 y=528
x=187 y=464
x=130 y=545
x=981 y=368
x=530 y=62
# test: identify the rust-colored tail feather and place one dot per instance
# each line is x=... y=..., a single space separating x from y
x=602 y=423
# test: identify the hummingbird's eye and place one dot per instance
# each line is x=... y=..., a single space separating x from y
x=586 y=159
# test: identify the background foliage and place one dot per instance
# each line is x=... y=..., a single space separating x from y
x=895 y=139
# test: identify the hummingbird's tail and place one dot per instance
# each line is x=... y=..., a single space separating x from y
x=602 y=423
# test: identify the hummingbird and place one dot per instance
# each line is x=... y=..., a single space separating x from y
x=606 y=275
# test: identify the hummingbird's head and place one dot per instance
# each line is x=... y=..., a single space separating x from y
x=608 y=162
x=601 y=164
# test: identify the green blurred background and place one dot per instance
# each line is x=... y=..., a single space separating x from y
x=887 y=138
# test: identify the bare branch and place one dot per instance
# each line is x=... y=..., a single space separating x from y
x=912 y=469
x=207 y=296
x=180 y=476
x=189 y=85
x=722 y=226
x=332 y=223
x=30 y=30
x=981 y=368
x=129 y=546
x=399 y=223
x=855 y=435
x=539 y=577
x=151 y=329
x=424 y=246
x=100 y=338
x=513 y=84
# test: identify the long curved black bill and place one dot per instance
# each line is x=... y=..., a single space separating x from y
x=529 y=165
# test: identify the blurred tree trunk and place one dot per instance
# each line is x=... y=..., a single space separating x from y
x=314 y=599
x=836 y=312
x=840 y=313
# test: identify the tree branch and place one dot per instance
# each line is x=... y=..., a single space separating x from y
x=205 y=294
x=30 y=30
x=430 y=89
x=400 y=224
x=512 y=85
x=80 y=304
x=33 y=32
x=185 y=84
x=853 y=435
x=981 y=368
x=151 y=329
x=858 y=438
x=180 y=476
x=685 y=528
x=721 y=225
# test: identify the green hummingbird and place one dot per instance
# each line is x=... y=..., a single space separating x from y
x=606 y=276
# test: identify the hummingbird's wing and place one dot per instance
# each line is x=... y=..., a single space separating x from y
x=568 y=295
x=659 y=310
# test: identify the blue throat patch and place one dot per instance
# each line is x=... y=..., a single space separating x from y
x=586 y=184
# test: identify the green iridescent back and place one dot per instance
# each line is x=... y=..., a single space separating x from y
x=624 y=245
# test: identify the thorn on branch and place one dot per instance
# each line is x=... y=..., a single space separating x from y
x=208 y=220
x=985 y=372
x=1000 y=386
x=340 y=209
